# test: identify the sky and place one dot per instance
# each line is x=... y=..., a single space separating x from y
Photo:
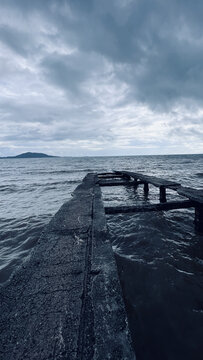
x=101 y=77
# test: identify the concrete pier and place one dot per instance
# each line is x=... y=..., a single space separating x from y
x=65 y=302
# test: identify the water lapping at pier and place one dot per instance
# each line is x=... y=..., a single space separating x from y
x=31 y=192
x=159 y=256
x=160 y=263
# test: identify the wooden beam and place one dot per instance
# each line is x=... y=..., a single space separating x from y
x=151 y=179
x=106 y=173
x=115 y=183
x=112 y=176
x=152 y=207
x=192 y=194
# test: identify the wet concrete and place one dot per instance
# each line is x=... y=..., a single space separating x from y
x=65 y=302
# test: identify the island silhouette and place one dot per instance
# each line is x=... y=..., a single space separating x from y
x=27 y=155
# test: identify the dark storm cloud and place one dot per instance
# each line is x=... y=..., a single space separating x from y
x=69 y=71
x=63 y=73
x=16 y=40
x=102 y=67
x=159 y=44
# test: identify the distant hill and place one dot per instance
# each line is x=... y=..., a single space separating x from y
x=28 y=155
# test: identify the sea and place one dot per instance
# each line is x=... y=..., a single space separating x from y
x=159 y=255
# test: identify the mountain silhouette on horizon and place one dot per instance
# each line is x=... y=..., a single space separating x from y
x=28 y=155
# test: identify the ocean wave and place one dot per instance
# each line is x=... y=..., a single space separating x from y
x=199 y=174
x=58 y=172
x=18 y=237
x=8 y=188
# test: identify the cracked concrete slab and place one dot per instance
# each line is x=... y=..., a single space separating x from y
x=65 y=302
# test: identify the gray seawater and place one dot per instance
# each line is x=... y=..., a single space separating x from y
x=159 y=256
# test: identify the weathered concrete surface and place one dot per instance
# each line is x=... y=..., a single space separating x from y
x=65 y=302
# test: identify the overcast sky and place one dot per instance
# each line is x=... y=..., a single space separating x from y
x=101 y=77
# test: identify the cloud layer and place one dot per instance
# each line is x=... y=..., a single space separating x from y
x=101 y=77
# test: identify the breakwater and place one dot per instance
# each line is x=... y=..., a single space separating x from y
x=65 y=302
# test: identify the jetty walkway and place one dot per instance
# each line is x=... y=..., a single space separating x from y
x=65 y=301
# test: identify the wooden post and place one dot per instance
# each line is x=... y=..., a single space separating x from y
x=135 y=182
x=162 y=194
x=199 y=218
x=146 y=188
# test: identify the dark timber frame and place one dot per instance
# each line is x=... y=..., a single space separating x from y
x=195 y=197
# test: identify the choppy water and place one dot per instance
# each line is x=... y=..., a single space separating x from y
x=159 y=256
